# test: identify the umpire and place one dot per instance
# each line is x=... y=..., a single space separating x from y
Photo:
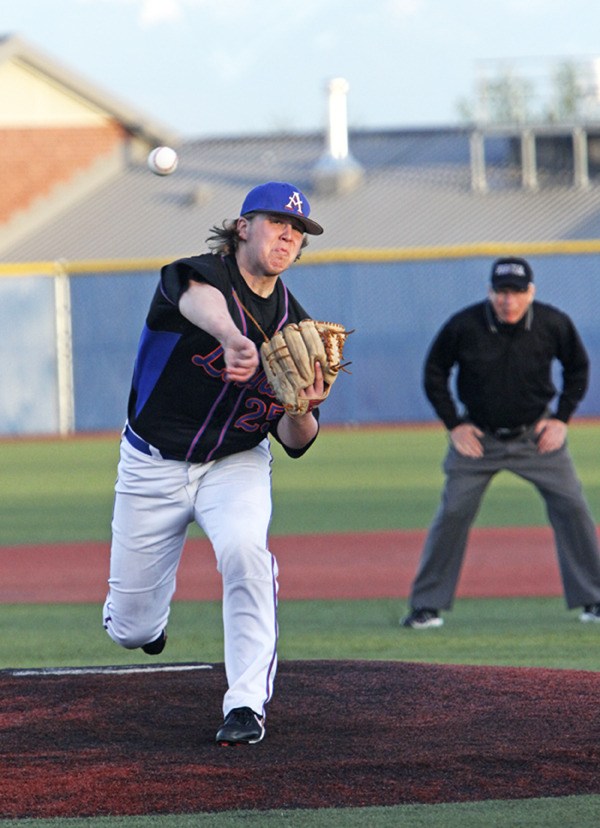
x=503 y=349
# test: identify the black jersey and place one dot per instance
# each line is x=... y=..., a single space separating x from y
x=179 y=400
x=504 y=376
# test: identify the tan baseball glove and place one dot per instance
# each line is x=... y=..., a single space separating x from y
x=289 y=357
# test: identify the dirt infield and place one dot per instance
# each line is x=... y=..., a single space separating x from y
x=499 y=563
x=116 y=741
x=340 y=734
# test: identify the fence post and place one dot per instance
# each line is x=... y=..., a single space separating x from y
x=64 y=349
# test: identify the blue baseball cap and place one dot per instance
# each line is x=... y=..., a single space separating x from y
x=281 y=199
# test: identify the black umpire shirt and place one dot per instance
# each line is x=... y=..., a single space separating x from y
x=504 y=371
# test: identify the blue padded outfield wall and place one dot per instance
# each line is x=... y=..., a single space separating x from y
x=395 y=306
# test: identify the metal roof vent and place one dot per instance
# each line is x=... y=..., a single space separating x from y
x=337 y=171
x=199 y=196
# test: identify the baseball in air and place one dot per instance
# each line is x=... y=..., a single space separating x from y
x=163 y=161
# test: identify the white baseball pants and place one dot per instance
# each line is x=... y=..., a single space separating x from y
x=230 y=499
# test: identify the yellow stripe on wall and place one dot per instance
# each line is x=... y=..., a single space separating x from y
x=350 y=254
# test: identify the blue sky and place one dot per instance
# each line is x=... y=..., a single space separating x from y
x=237 y=67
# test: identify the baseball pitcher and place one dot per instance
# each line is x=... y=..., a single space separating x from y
x=227 y=357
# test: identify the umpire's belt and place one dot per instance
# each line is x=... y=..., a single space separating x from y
x=509 y=433
x=141 y=445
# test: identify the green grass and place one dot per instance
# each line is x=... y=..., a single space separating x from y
x=535 y=632
x=351 y=480
x=57 y=490
x=565 y=812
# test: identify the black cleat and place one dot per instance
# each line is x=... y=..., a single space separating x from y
x=242 y=726
x=591 y=612
x=422 y=619
x=157 y=646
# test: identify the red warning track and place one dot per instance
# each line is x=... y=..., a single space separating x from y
x=499 y=563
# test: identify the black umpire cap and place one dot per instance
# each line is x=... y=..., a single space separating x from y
x=511 y=272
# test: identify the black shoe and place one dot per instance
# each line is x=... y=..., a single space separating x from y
x=242 y=726
x=422 y=619
x=591 y=612
x=157 y=646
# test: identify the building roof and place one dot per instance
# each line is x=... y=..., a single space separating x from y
x=415 y=189
x=17 y=49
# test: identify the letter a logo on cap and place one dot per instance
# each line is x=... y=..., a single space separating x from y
x=295 y=203
x=281 y=199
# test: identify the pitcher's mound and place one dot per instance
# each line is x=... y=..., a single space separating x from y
x=105 y=741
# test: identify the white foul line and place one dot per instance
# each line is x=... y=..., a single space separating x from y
x=87 y=671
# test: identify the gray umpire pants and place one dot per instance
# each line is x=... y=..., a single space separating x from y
x=553 y=475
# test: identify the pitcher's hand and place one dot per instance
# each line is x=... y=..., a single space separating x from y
x=241 y=357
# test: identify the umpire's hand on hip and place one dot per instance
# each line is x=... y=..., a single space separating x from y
x=465 y=439
x=551 y=434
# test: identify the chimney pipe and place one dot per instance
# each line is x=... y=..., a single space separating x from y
x=337 y=136
x=337 y=171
